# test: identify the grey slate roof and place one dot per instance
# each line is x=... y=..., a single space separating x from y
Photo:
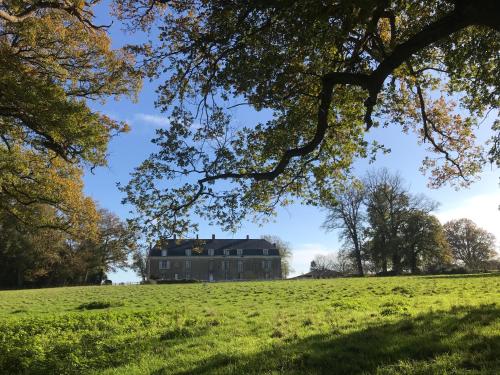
x=200 y=247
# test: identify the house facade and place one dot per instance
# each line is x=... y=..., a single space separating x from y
x=214 y=260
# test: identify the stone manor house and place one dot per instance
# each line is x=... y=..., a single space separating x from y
x=214 y=260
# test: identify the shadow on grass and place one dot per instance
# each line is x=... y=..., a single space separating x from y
x=412 y=342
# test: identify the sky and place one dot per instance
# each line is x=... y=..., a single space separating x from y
x=297 y=224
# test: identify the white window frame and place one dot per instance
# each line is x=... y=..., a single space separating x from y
x=265 y=251
x=226 y=252
x=164 y=253
x=164 y=264
x=240 y=266
x=188 y=252
x=187 y=264
x=239 y=252
x=211 y=252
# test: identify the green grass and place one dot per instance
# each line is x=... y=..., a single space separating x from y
x=398 y=325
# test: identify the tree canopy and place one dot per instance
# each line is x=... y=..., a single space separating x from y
x=54 y=60
x=327 y=72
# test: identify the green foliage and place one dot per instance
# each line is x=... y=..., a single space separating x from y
x=53 y=60
x=412 y=325
x=325 y=72
x=470 y=245
x=41 y=253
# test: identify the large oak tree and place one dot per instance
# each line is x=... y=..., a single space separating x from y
x=327 y=72
x=54 y=59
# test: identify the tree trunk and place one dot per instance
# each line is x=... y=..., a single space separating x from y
x=20 y=278
x=384 y=264
x=357 y=254
x=396 y=264
x=413 y=262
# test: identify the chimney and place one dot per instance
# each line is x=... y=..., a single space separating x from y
x=213 y=236
x=175 y=236
x=248 y=237
x=196 y=236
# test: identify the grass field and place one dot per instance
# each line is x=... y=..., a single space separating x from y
x=396 y=325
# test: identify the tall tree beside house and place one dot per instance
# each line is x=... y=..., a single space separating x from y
x=470 y=245
x=53 y=58
x=346 y=212
x=327 y=72
x=139 y=262
x=285 y=252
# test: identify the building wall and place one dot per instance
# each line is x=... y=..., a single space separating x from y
x=216 y=268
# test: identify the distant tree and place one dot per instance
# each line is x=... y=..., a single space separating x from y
x=114 y=242
x=470 y=244
x=325 y=265
x=424 y=243
x=345 y=212
x=389 y=206
x=140 y=261
x=285 y=252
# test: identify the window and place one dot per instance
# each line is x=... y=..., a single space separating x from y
x=266 y=264
x=188 y=252
x=265 y=251
x=164 y=264
x=239 y=252
x=164 y=253
x=188 y=264
x=211 y=252
x=226 y=252
x=240 y=266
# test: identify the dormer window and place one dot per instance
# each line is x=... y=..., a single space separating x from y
x=226 y=252
x=265 y=251
x=164 y=253
x=239 y=252
x=211 y=252
x=188 y=252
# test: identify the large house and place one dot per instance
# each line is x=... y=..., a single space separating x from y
x=214 y=260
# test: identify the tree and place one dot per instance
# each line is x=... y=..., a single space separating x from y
x=140 y=261
x=424 y=243
x=285 y=252
x=328 y=72
x=39 y=253
x=110 y=250
x=53 y=59
x=469 y=244
x=345 y=212
x=339 y=263
x=390 y=206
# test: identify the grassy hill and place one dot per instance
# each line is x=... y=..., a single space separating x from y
x=397 y=325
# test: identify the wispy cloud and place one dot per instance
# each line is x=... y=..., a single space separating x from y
x=156 y=120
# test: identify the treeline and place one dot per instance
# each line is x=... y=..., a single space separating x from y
x=48 y=252
x=388 y=230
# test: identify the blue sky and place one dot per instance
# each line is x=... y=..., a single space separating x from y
x=297 y=224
